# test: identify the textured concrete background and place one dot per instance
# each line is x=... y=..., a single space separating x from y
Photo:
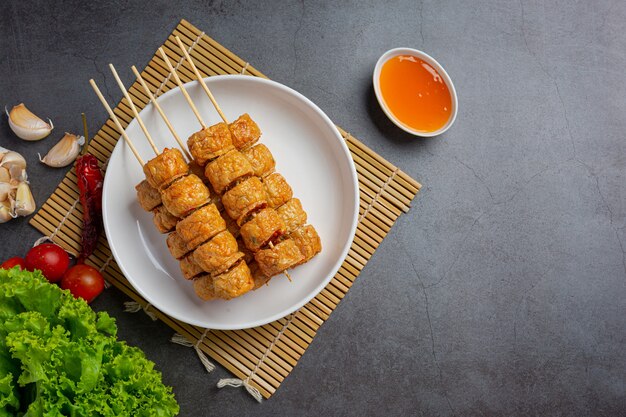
x=502 y=292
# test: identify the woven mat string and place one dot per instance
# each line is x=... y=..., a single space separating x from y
x=177 y=66
x=179 y=339
x=236 y=382
x=58 y=228
x=104 y=266
x=135 y=307
x=245 y=68
x=377 y=196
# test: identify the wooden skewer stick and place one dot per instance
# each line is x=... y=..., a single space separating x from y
x=182 y=88
x=116 y=121
x=200 y=79
x=134 y=109
x=160 y=110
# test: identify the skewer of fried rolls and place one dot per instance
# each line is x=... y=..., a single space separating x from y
x=252 y=207
x=186 y=205
x=258 y=200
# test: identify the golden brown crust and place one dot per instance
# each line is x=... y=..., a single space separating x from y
x=248 y=256
x=308 y=241
x=185 y=195
x=227 y=169
x=278 y=191
x=148 y=196
x=164 y=220
x=207 y=144
x=233 y=283
x=257 y=275
x=232 y=226
x=203 y=286
x=292 y=214
x=176 y=245
x=189 y=267
x=266 y=225
x=281 y=257
x=200 y=226
x=244 y=198
x=245 y=132
x=198 y=170
x=166 y=167
x=218 y=254
x=261 y=159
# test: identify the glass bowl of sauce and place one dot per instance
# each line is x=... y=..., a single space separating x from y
x=415 y=92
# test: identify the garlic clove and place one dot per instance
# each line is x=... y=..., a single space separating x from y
x=5 y=190
x=5 y=176
x=24 y=201
x=18 y=174
x=64 y=152
x=13 y=161
x=26 y=125
x=5 y=211
x=3 y=151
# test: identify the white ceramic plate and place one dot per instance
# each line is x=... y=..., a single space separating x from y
x=309 y=153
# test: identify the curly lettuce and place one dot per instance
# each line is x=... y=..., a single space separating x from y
x=60 y=358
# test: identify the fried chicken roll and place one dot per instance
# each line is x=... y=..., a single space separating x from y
x=292 y=214
x=232 y=226
x=185 y=195
x=257 y=275
x=176 y=245
x=209 y=143
x=189 y=267
x=261 y=159
x=264 y=227
x=284 y=255
x=278 y=191
x=232 y=283
x=200 y=226
x=245 y=132
x=198 y=170
x=148 y=196
x=248 y=256
x=308 y=241
x=218 y=254
x=226 y=170
x=163 y=219
x=244 y=198
x=166 y=167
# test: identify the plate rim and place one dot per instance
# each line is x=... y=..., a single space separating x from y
x=344 y=252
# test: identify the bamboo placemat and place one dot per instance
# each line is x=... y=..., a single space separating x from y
x=261 y=357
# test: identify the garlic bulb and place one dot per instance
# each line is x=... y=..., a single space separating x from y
x=5 y=190
x=4 y=175
x=16 y=198
x=64 y=152
x=16 y=164
x=26 y=125
x=24 y=201
x=6 y=212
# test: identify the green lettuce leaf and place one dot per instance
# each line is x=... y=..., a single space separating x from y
x=59 y=358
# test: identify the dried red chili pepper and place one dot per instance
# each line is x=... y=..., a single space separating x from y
x=90 y=181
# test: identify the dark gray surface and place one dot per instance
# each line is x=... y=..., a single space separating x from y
x=503 y=290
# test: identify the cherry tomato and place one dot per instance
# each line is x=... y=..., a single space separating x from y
x=11 y=262
x=51 y=259
x=83 y=281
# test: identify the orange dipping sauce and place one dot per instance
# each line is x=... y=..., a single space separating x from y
x=415 y=93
